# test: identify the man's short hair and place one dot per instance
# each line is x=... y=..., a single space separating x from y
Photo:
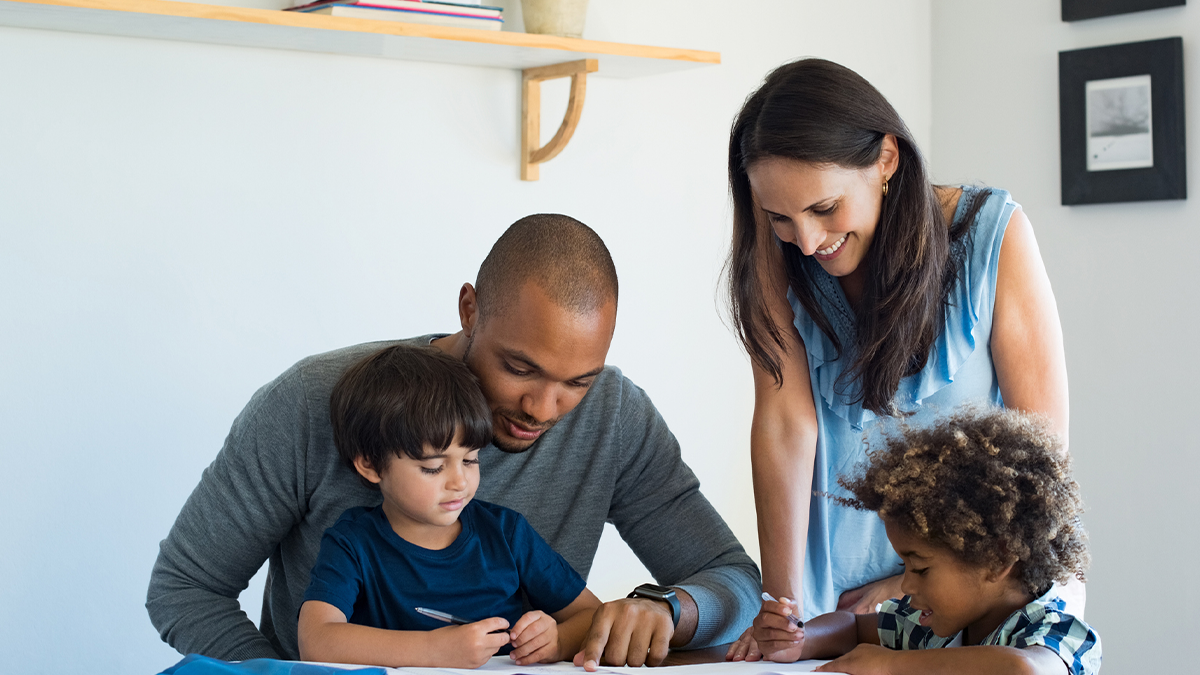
x=404 y=399
x=564 y=257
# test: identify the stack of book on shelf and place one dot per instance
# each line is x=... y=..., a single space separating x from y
x=460 y=14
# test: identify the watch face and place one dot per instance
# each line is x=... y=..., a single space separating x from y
x=662 y=594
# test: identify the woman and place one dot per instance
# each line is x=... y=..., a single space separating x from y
x=865 y=295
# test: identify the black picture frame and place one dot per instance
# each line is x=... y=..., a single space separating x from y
x=1078 y=10
x=1162 y=61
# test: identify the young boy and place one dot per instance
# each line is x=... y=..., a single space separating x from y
x=411 y=422
x=984 y=514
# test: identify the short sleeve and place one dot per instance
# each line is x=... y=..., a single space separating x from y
x=337 y=576
x=1073 y=640
x=547 y=579
x=890 y=631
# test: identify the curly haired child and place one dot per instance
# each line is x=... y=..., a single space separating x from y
x=984 y=514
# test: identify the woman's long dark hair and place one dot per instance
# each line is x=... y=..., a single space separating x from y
x=821 y=113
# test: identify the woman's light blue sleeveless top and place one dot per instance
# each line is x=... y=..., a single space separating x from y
x=849 y=548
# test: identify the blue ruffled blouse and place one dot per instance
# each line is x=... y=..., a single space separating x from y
x=848 y=548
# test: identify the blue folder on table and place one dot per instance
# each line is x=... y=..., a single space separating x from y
x=194 y=664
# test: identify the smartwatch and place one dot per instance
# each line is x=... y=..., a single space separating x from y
x=656 y=592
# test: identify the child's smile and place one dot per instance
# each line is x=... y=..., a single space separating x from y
x=951 y=594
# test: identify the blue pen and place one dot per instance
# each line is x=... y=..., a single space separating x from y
x=448 y=617
x=442 y=616
x=791 y=617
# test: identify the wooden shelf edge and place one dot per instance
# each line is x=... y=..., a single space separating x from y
x=344 y=24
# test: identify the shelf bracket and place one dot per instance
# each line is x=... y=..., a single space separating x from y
x=531 y=112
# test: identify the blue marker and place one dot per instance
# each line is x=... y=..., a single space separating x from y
x=791 y=617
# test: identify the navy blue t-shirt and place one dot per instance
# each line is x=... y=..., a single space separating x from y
x=376 y=578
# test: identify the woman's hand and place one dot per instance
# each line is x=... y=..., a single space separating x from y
x=535 y=639
x=778 y=638
x=862 y=660
x=744 y=648
x=864 y=599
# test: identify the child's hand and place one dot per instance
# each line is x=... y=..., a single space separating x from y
x=535 y=639
x=744 y=648
x=470 y=646
x=862 y=660
x=778 y=639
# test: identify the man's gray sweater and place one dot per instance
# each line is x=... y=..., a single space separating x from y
x=278 y=483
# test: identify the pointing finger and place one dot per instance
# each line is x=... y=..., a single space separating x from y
x=594 y=643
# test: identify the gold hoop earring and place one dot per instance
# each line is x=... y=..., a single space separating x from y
x=885 y=187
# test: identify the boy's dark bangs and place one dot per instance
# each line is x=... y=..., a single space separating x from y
x=442 y=416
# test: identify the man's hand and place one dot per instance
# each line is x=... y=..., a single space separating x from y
x=864 y=599
x=634 y=631
x=470 y=646
x=863 y=660
x=535 y=639
x=778 y=638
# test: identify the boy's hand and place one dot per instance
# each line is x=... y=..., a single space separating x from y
x=863 y=660
x=470 y=646
x=778 y=638
x=535 y=639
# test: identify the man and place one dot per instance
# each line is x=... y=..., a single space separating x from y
x=575 y=444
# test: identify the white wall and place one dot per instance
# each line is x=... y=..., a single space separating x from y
x=180 y=222
x=1124 y=276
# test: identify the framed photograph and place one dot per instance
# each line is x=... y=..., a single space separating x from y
x=1077 y=10
x=1121 y=123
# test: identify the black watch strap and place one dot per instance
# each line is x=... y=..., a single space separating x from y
x=663 y=593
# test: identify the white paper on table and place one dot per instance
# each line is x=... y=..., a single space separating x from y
x=497 y=665
x=502 y=665
x=726 y=668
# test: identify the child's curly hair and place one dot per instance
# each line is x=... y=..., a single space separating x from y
x=991 y=485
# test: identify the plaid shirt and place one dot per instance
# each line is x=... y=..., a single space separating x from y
x=1042 y=622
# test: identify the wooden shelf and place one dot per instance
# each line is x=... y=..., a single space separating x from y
x=539 y=57
x=192 y=22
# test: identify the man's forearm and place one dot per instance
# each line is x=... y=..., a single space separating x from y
x=239 y=512
x=725 y=598
x=688 y=616
x=195 y=620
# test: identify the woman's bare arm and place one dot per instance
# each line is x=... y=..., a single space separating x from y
x=783 y=442
x=1027 y=341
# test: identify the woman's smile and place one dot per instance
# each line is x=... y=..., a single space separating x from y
x=832 y=250
x=817 y=207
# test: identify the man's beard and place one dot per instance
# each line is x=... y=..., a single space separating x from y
x=510 y=414
x=524 y=419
